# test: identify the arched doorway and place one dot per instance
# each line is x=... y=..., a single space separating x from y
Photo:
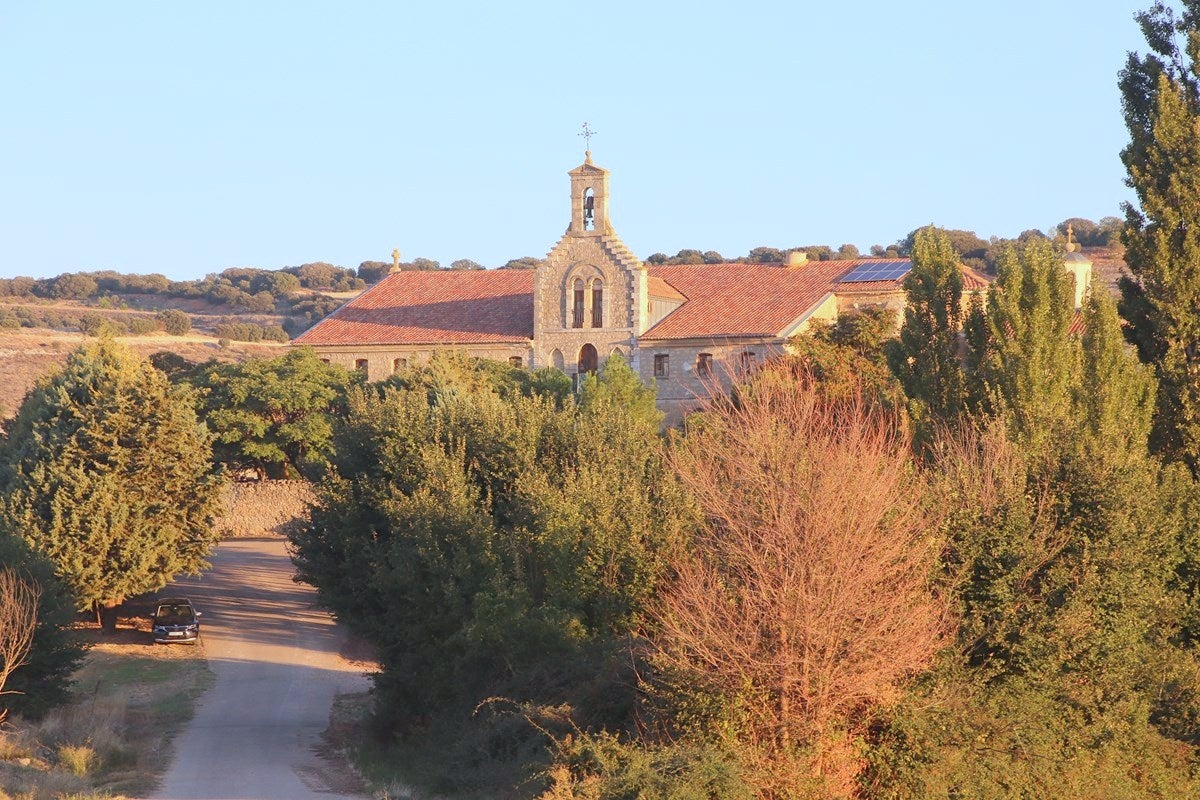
x=589 y=361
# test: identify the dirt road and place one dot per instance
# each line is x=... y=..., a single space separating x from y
x=277 y=670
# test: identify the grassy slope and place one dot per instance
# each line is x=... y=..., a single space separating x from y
x=131 y=698
x=27 y=353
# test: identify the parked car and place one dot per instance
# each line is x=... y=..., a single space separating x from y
x=175 y=620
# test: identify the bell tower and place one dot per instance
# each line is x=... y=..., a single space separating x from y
x=589 y=200
x=590 y=297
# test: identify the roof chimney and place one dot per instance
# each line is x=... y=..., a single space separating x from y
x=796 y=258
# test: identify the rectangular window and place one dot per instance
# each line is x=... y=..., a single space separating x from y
x=597 y=306
x=662 y=365
x=577 y=311
x=360 y=364
x=704 y=365
x=749 y=360
x=516 y=361
x=399 y=364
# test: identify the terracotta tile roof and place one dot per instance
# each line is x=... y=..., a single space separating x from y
x=974 y=281
x=482 y=306
x=1076 y=326
x=450 y=307
x=742 y=299
x=657 y=287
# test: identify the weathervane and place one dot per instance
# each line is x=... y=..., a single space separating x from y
x=587 y=135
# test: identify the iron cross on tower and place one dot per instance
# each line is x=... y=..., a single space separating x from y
x=587 y=135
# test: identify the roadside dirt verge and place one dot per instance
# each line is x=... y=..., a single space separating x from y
x=131 y=698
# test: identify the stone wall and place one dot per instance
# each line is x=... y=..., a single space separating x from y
x=263 y=508
x=382 y=359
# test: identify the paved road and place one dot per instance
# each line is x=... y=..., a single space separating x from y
x=277 y=670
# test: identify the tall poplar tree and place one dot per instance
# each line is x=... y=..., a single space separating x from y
x=1161 y=300
x=1026 y=362
x=108 y=473
x=925 y=357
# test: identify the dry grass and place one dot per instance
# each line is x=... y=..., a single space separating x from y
x=28 y=353
x=113 y=739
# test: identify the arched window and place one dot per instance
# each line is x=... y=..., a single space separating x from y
x=399 y=364
x=597 y=303
x=704 y=365
x=589 y=360
x=577 y=304
x=556 y=359
x=589 y=210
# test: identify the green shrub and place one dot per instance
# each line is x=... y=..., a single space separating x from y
x=142 y=326
x=174 y=321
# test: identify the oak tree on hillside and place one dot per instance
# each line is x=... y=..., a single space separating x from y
x=108 y=473
x=271 y=415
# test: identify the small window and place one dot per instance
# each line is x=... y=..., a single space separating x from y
x=597 y=304
x=749 y=360
x=516 y=361
x=399 y=364
x=360 y=364
x=577 y=306
x=662 y=365
x=704 y=365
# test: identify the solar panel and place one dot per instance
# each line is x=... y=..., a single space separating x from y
x=877 y=271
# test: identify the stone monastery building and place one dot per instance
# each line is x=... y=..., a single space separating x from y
x=677 y=325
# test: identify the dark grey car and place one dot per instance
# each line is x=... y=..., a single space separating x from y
x=175 y=620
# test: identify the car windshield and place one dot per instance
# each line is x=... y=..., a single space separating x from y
x=174 y=615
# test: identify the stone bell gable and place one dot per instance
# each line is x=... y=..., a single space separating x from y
x=590 y=295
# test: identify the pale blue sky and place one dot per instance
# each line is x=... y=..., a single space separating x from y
x=185 y=138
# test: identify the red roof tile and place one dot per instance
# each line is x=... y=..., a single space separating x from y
x=974 y=281
x=451 y=307
x=742 y=299
x=657 y=287
x=482 y=306
x=1077 y=326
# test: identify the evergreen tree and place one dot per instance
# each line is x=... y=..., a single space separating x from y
x=925 y=357
x=1161 y=102
x=1026 y=363
x=108 y=473
x=44 y=680
x=618 y=386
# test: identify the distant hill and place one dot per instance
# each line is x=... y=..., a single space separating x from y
x=28 y=353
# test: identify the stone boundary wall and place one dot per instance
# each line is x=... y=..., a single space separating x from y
x=263 y=508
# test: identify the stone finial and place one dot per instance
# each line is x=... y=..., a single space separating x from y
x=1070 y=233
x=396 y=260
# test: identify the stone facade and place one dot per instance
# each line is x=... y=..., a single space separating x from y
x=380 y=361
x=591 y=291
x=685 y=378
x=684 y=328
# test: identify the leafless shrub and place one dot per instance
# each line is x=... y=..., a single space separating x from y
x=808 y=595
x=18 y=620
